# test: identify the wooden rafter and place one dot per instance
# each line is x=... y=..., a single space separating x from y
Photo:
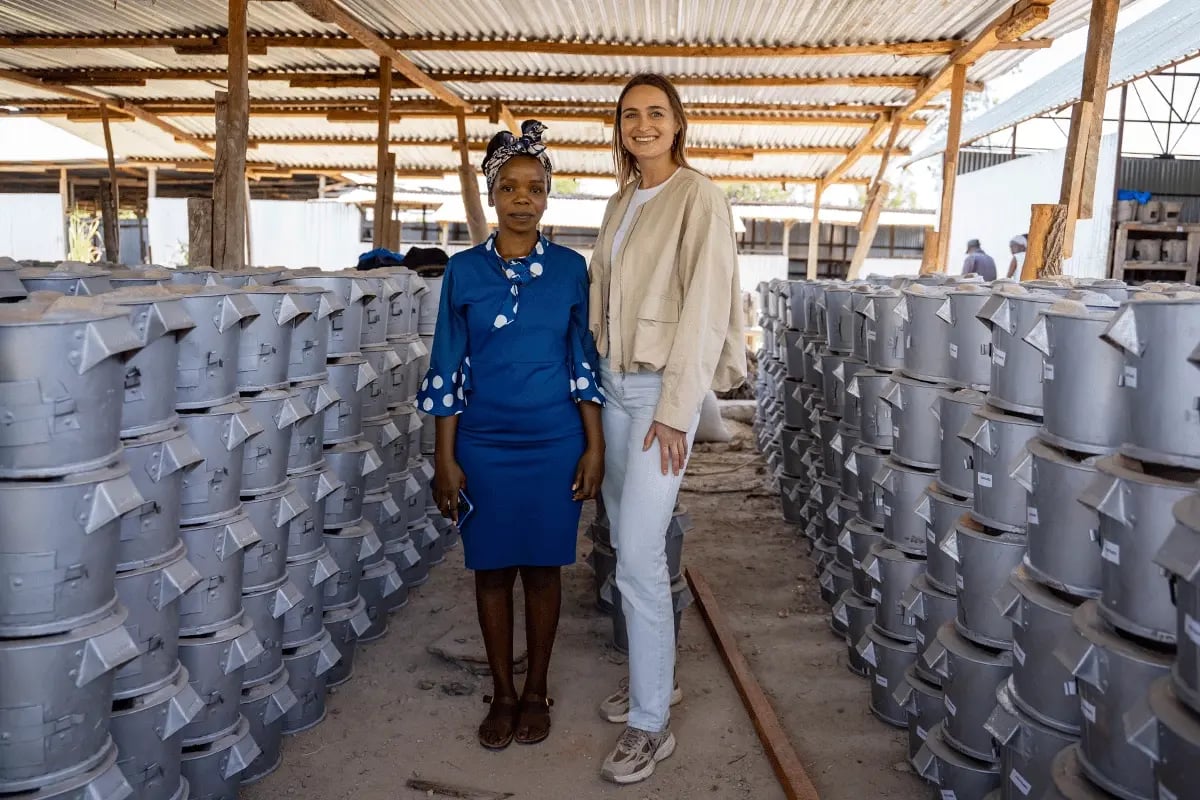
x=864 y=145
x=215 y=43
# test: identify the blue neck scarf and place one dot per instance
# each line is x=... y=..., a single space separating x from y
x=519 y=272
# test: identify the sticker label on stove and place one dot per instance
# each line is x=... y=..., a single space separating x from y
x=1089 y=710
x=950 y=707
x=1031 y=514
x=1131 y=377
x=953 y=350
x=922 y=734
x=1047 y=371
x=999 y=357
x=1019 y=653
x=1018 y=780
x=1111 y=551
x=881 y=680
x=870 y=335
x=1070 y=689
x=984 y=479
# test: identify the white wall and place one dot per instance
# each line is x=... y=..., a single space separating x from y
x=993 y=205
x=754 y=269
x=31 y=227
x=284 y=233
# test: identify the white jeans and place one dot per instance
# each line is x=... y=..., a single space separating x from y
x=639 y=501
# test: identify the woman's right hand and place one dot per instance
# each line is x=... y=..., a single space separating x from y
x=448 y=480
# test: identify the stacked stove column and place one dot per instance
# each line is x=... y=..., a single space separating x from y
x=64 y=487
x=786 y=428
x=427 y=324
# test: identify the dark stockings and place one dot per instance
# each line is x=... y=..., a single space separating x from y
x=494 y=601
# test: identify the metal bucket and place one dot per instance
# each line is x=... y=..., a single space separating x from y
x=901 y=488
x=427 y=318
x=857 y=539
x=984 y=562
x=997 y=444
x=407 y=420
x=956 y=472
x=794 y=415
x=1027 y=748
x=970 y=675
x=1180 y=557
x=922 y=703
x=350 y=547
x=1135 y=520
x=59 y=549
x=1112 y=673
x=1041 y=618
x=859 y=324
x=314 y=484
x=891 y=572
x=941 y=513
x=264 y=609
x=1061 y=533
x=793 y=496
x=930 y=607
x=843 y=447
x=63 y=413
x=865 y=462
x=884 y=330
x=852 y=408
x=148 y=732
x=207 y=371
x=159 y=318
x=345 y=326
x=215 y=663
x=65 y=679
x=956 y=774
x=887 y=662
x=265 y=344
x=351 y=462
x=834 y=580
x=915 y=425
x=308 y=573
x=156 y=463
x=1082 y=371
x=378 y=308
x=926 y=334
x=1169 y=733
x=263 y=707
x=857 y=616
x=310 y=336
x=405 y=307
x=212 y=487
x=378 y=394
x=1158 y=335
x=308 y=434
x=307 y=665
x=382 y=591
x=213 y=769
x=1011 y=313
x=345 y=626
x=103 y=780
x=390 y=445
x=836 y=516
x=266 y=454
x=271 y=514
x=793 y=354
x=970 y=346
x=874 y=414
x=217 y=551
x=149 y=595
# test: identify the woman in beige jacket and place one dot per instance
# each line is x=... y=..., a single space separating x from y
x=665 y=311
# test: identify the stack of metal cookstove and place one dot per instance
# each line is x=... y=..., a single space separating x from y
x=777 y=408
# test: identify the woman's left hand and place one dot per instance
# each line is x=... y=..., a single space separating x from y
x=589 y=474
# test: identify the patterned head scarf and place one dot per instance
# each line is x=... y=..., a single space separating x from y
x=529 y=143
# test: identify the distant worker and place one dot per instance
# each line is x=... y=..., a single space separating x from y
x=1017 y=245
x=978 y=262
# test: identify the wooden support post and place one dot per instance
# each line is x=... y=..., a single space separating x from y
x=929 y=254
x=249 y=240
x=151 y=193
x=110 y=197
x=383 y=215
x=64 y=194
x=814 y=235
x=383 y=196
x=1047 y=241
x=200 y=231
x=476 y=221
x=229 y=167
x=866 y=230
x=958 y=83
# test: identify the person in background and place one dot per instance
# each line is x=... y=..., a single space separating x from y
x=666 y=313
x=978 y=262
x=513 y=383
x=1017 y=245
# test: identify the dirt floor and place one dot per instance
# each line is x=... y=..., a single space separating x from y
x=409 y=714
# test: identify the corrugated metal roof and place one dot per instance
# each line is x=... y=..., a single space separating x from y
x=1169 y=35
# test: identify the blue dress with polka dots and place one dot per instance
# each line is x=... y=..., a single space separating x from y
x=512 y=356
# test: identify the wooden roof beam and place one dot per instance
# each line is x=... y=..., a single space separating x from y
x=865 y=144
x=215 y=43
x=606 y=119
x=334 y=12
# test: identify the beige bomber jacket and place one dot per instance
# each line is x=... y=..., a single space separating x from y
x=673 y=295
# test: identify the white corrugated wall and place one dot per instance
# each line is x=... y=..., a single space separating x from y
x=31 y=227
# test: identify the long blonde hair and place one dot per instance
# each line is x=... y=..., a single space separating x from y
x=623 y=161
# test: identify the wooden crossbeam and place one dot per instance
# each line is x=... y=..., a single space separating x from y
x=864 y=145
x=693 y=119
x=215 y=43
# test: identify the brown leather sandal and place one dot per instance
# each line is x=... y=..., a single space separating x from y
x=533 y=716
x=491 y=735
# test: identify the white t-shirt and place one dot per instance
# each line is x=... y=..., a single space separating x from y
x=640 y=198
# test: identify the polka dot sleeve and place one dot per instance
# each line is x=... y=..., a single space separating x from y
x=585 y=359
x=446 y=387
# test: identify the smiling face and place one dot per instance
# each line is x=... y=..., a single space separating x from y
x=520 y=195
x=648 y=125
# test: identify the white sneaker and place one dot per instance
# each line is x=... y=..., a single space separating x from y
x=615 y=707
x=636 y=754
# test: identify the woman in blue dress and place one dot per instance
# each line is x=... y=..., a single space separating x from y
x=512 y=380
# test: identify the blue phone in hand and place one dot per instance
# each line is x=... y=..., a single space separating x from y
x=465 y=507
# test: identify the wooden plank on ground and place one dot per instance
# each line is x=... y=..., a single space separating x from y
x=792 y=778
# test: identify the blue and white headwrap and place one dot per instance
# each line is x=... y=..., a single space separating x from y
x=519 y=272
x=529 y=143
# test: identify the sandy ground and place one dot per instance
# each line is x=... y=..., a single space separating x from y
x=404 y=714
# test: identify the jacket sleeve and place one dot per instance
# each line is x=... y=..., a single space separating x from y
x=447 y=385
x=707 y=265
x=585 y=361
